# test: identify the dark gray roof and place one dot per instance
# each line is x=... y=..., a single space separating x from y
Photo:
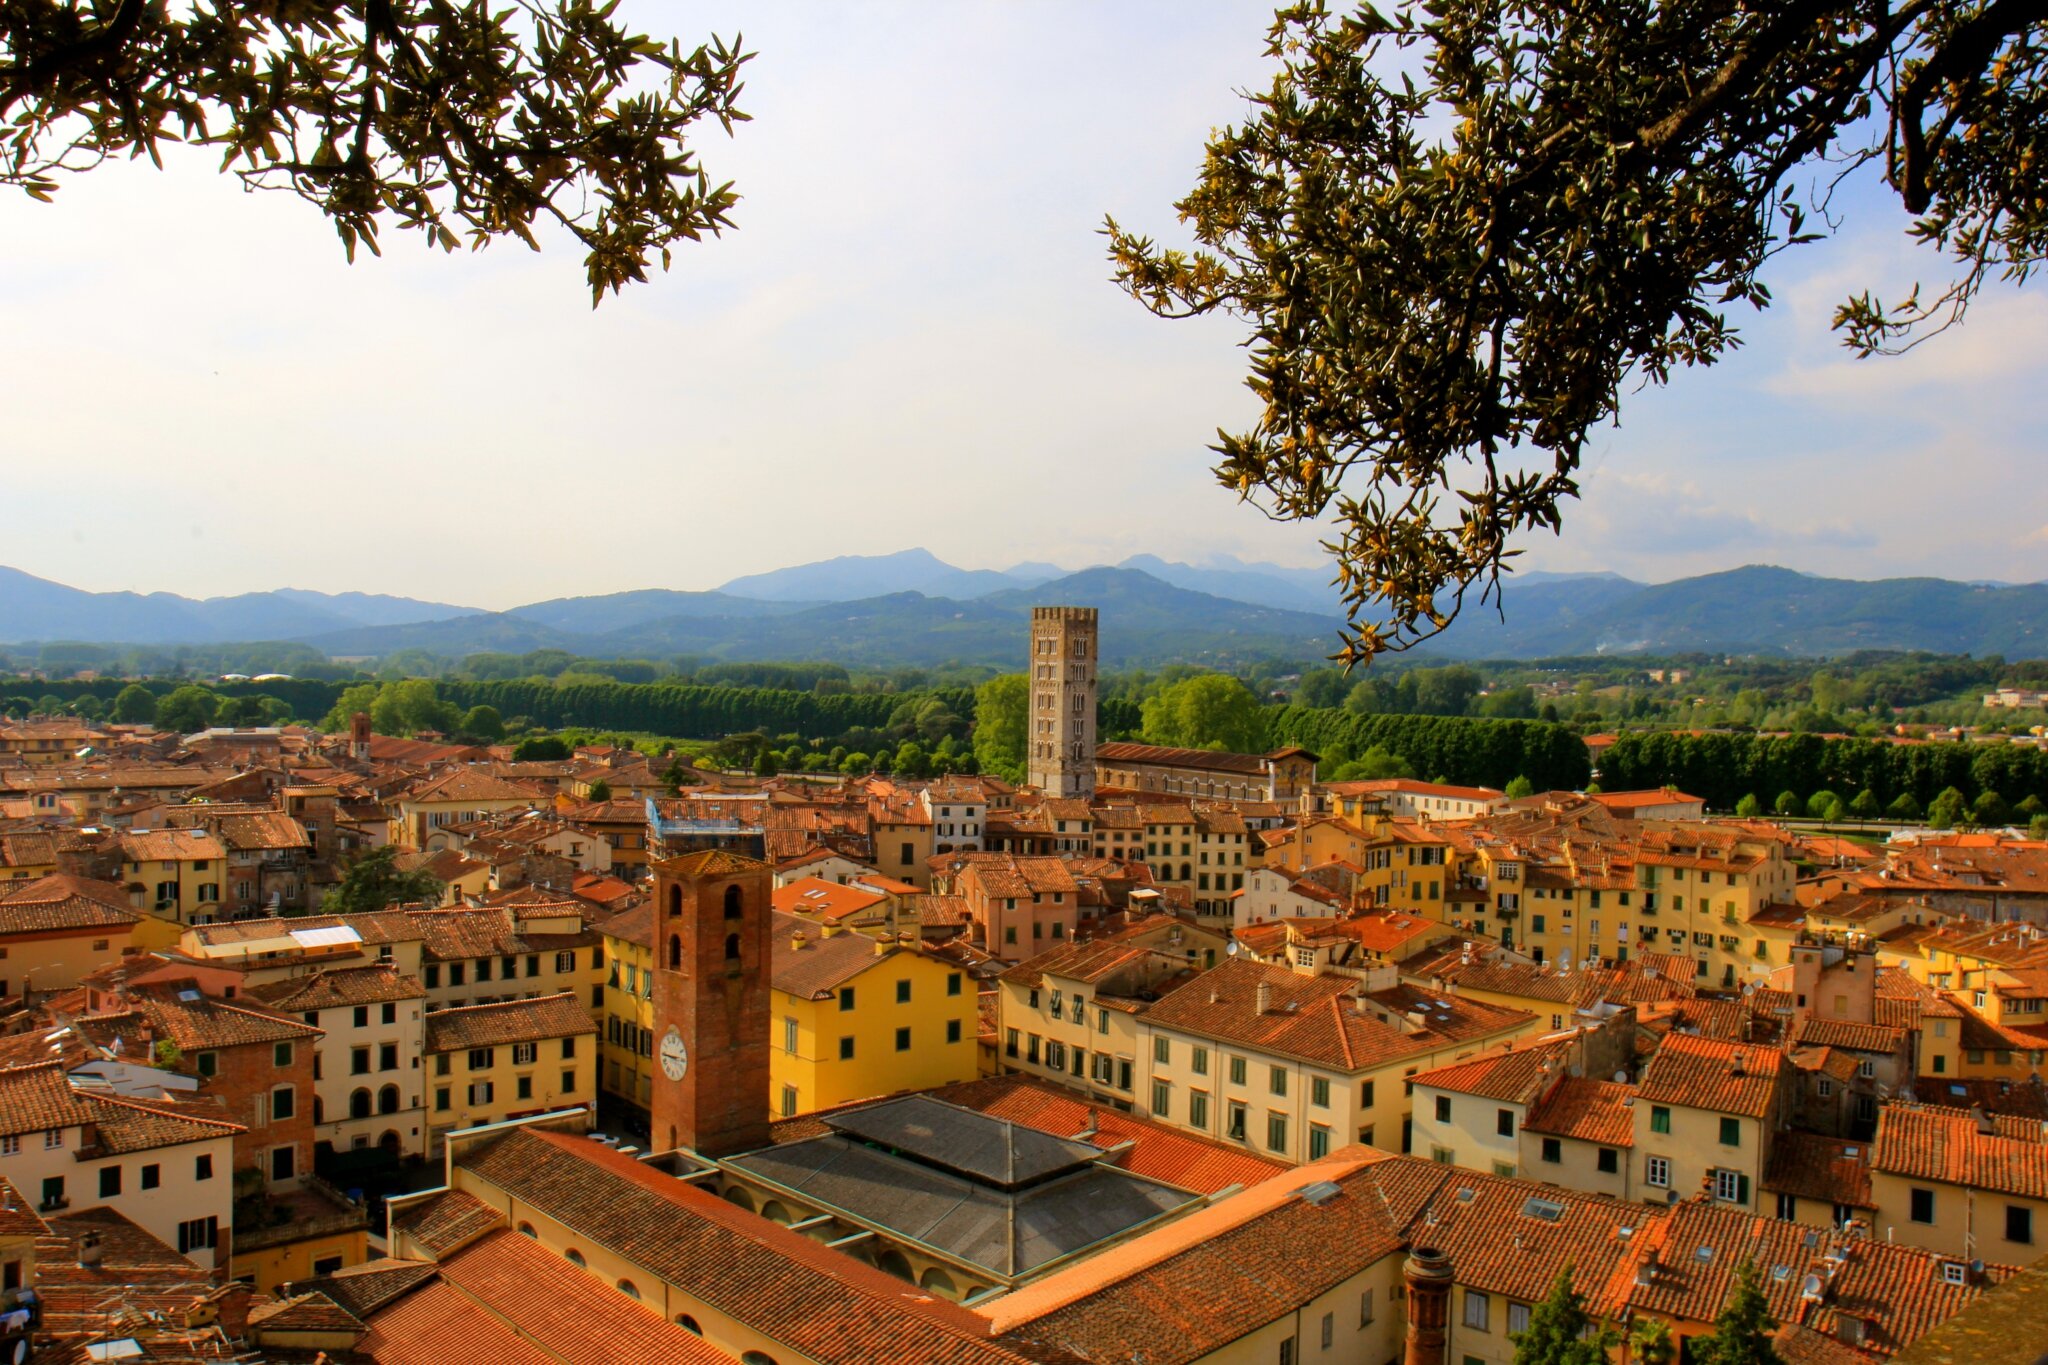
x=1008 y=1232
x=987 y=1150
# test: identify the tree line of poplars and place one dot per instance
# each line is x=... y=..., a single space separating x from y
x=1990 y=783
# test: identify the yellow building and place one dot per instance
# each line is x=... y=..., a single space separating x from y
x=854 y=1016
x=1705 y=1111
x=626 y=1070
x=56 y=930
x=455 y=797
x=177 y=874
x=1402 y=864
x=324 y=1233
x=1962 y=1183
x=487 y=1063
x=45 y=740
x=1290 y=1064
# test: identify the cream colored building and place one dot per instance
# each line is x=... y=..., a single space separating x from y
x=1705 y=1112
x=177 y=874
x=488 y=1063
x=1962 y=1183
x=367 y=1088
x=1290 y=1065
x=163 y=1167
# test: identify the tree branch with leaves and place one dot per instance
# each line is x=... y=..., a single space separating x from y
x=466 y=122
x=1457 y=231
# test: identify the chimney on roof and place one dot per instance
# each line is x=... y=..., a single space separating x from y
x=1735 y=1062
x=1264 y=998
x=90 y=1252
x=1427 y=1275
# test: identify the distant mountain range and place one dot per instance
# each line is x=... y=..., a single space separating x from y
x=1154 y=622
x=914 y=608
x=34 y=608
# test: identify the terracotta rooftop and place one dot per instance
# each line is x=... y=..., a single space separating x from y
x=61 y=902
x=504 y=1300
x=1707 y=1073
x=1588 y=1110
x=445 y=1221
x=508 y=1021
x=810 y=964
x=1827 y=1169
x=1321 y=1019
x=1988 y=1152
x=336 y=987
x=818 y=1302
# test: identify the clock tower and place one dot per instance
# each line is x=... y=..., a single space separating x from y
x=711 y=1003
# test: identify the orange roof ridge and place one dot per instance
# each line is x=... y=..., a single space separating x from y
x=1058 y=1290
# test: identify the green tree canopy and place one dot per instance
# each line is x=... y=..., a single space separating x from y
x=1788 y=803
x=1208 y=711
x=1519 y=788
x=1990 y=809
x=134 y=705
x=186 y=709
x=1742 y=1333
x=539 y=749
x=1866 y=805
x=1818 y=804
x=1947 y=810
x=1749 y=808
x=1001 y=718
x=600 y=790
x=465 y=122
x=1904 y=807
x=482 y=724
x=1373 y=765
x=1561 y=1331
x=1457 y=231
x=373 y=881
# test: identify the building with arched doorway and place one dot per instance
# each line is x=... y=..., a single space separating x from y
x=487 y=1063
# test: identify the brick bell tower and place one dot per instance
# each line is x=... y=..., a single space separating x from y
x=711 y=1003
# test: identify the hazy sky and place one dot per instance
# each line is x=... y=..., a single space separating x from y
x=910 y=340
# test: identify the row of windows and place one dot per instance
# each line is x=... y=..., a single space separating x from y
x=630 y=1036
x=849 y=997
x=846 y=1048
x=2019 y=1220
x=1198 y=1057
x=482 y=1093
x=484 y=1058
x=1236 y=1118
x=507 y=967
x=1289 y=1347
x=112 y=1180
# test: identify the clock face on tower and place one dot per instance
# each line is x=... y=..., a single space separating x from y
x=675 y=1058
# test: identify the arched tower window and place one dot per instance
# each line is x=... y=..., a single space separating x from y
x=675 y=900
x=675 y=952
x=732 y=902
x=732 y=947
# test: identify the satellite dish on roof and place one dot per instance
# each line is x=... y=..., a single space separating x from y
x=1232 y=949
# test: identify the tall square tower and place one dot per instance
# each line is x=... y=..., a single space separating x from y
x=1060 y=754
x=711 y=1002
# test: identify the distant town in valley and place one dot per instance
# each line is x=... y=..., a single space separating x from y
x=734 y=1003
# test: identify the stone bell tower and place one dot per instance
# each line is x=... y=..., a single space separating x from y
x=711 y=1003
x=1060 y=746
